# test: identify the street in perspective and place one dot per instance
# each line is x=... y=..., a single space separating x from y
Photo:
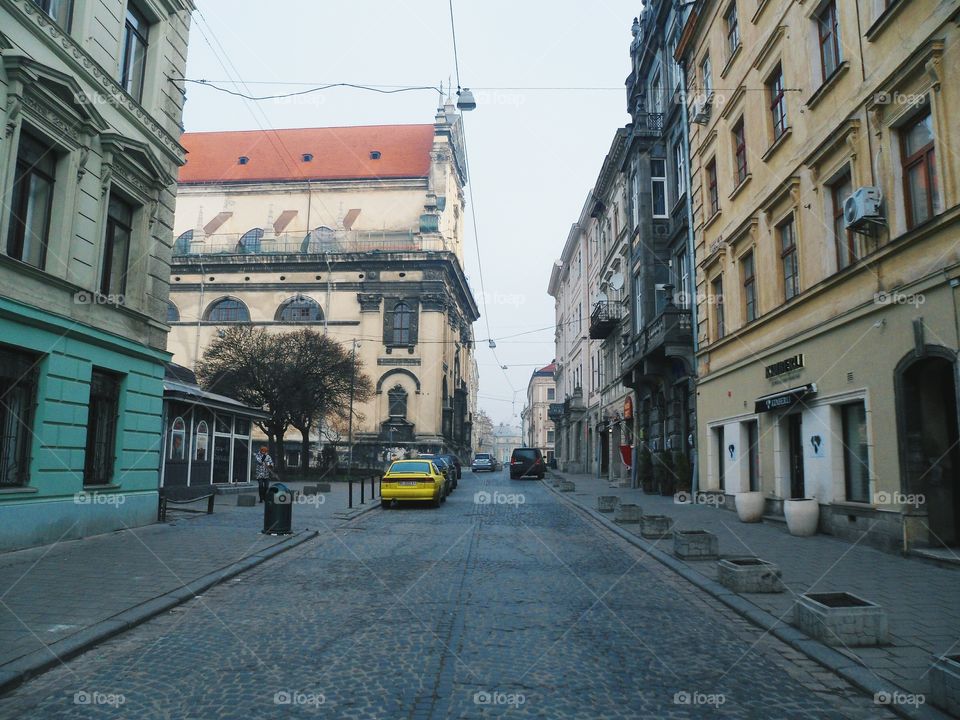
x=466 y=360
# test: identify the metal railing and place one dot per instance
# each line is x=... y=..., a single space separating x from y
x=298 y=243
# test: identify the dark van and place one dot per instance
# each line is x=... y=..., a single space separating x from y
x=526 y=462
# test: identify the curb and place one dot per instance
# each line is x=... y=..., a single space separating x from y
x=850 y=670
x=26 y=667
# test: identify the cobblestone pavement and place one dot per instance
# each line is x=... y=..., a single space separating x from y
x=920 y=598
x=52 y=592
x=486 y=607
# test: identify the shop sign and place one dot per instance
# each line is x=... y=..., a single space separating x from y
x=784 y=366
x=783 y=400
x=628 y=408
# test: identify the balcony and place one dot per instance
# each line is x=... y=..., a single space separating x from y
x=648 y=124
x=604 y=319
x=670 y=333
x=555 y=412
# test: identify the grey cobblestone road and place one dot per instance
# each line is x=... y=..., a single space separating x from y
x=475 y=610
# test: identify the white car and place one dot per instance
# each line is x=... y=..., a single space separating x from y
x=483 y=461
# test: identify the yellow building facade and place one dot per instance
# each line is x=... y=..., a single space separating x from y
x=824 y=173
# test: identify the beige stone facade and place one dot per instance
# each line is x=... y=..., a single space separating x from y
x=366 y=247
x=827 y=353
x=538 y=429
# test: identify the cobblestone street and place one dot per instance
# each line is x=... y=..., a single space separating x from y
x=504 y=604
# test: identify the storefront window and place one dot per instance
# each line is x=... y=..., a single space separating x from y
x=856 y=467
x=203 y=441
x=178 y=435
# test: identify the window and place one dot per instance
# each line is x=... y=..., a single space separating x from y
x=637 y=304
x=182 y=244
x=321 y=239
x=712 y=193
x=133 y=60
x=116 y=247
x=678 y=171
x=300 y=309
x=398 y=402
x=228 y=310
x=402 y=324
x=720 y=327
x=856 y=468
x=656 y=93
x=32 y=202
x=721 y=457
x=18 y=398
x=740 y=151
x=250 y=241
x=733 y=29
x=844 y=239
x=202 y=444
x=919 y=170
x=550 y=436
x=749 y=287
x=682 y=280
x=60 y=11
x=635 y=198
x=829 y=33
x=706 y=72
x=173 y=315
x=788 y=259
x=753 y=450
x=658 y=181
x=178 y=435
x=778 y=103
x=551 y=394
x=104 y=408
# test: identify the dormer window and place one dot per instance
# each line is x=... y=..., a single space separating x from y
x=375 y=154
x=243 y=160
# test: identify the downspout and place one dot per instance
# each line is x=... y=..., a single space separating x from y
x=196 y=348
x=691 y=252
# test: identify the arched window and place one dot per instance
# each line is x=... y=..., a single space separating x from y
x=173 y=315
x=182 y=245
x=250 y=241
x=300 y=309
x=228 y=310
x=319 y=240
x=202 y=442
x=402 y=320
x=398 y=402
x=178 y=437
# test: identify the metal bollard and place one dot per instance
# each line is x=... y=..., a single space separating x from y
x=350 y=491
x=362 y=485
x=373 y=487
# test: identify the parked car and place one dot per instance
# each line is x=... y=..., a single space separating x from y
x=448 y=469
x=410 y=480
x=526 y=462
x=456 y=463
x=482 y=461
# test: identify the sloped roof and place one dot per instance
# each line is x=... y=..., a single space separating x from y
x=342 y=153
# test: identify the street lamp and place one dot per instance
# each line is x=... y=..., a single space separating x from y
x=465 y=99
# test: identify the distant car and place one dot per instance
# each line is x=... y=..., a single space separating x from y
x=410 y=480
x=482 y=461
x=448 y=469
x=526 y=462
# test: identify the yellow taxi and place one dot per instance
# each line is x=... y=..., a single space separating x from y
x=412 y=480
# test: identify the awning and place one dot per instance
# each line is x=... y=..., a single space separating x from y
x=783 y=399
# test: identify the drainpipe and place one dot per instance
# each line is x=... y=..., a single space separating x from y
x=691 y=252
x=196 y=348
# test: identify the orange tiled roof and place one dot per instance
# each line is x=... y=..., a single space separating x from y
x=338 y=154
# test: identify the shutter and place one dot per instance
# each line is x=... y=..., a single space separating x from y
x=414 y=320
x=388 y=323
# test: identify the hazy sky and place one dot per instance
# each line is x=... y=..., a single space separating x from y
x=534 y=154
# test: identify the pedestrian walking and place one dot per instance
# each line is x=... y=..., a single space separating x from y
x=264 y=471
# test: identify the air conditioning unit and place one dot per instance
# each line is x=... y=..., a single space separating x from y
x=861 y=211
x=701 y=109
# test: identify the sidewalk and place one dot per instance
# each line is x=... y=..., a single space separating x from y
x=59 y=599
x=922 y=600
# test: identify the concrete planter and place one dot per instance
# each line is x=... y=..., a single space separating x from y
x=749 y=575
x=945 y=684
x=841 y=619
x=695 y=545
x=628 y=513
x=750 y=506
x=567 y=486
x=607 y=503
x=802 y=516
x=656 y=526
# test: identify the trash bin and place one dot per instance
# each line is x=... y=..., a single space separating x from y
x=278 y=510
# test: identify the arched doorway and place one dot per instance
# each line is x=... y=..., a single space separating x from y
x=930 y=445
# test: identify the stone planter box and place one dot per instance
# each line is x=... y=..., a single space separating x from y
x=749 y=575
x=695 y=545
x=656 y=526
x=607 y=503
x=945 y=684
x=628 y=513
x=841 y=619
x=323 y=487
x=567 y=486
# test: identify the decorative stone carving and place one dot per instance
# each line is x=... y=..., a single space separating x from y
x=433 y=302
x=369 y=302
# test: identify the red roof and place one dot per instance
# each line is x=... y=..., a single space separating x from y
x=337 y=154
x=550 y=369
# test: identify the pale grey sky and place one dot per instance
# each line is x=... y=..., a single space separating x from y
x=534 y=153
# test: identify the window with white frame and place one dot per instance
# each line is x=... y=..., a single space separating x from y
x=706 y=75
x=60 y=11
x=133 y=59
x=679 y=172
x=658 y=183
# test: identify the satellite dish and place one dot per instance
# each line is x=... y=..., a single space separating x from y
x=616 y=282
